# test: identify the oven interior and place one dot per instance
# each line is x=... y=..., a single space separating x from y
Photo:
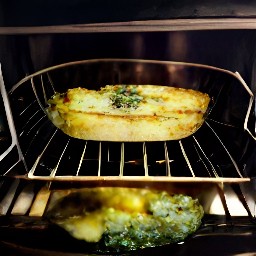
x=216 y=164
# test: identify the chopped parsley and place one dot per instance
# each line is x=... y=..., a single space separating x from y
x=125 y=96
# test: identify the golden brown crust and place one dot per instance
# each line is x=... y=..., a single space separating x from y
x=163 y=113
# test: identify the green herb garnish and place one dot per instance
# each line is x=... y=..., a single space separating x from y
x=125 y=96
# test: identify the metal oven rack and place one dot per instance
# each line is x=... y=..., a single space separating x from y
x=47 y=154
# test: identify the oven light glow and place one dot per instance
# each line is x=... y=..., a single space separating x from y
x=235 y=207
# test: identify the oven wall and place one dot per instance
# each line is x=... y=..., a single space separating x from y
x=59 y=12
x=229 y=49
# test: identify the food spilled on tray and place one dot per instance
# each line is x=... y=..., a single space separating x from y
x=122 y=219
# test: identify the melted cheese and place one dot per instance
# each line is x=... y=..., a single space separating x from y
x=142 y=113
x=155 y=101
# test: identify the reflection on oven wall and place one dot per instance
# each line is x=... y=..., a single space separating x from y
x=229 y=49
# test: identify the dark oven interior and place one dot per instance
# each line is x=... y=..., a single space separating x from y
x=216 y=165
